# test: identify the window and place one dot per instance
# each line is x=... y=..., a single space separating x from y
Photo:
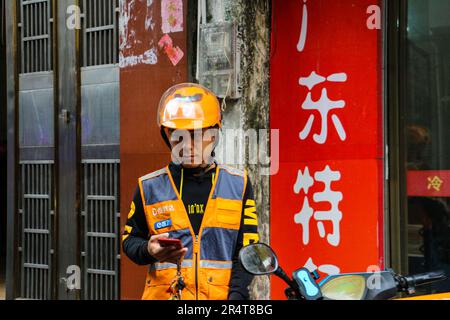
x=100 y=32
x=425 y=101
x=35 y=32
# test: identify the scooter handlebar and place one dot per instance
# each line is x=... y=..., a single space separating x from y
x=425 y=278
x=409 y=283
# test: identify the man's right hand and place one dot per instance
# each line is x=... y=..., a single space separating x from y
x=167 y=254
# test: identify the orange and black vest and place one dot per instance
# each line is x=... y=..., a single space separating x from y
x=207 y=265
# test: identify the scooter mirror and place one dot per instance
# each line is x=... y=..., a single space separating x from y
x=258 y=259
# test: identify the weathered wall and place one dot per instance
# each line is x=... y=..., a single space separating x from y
x=146 y=72
x=2 y=138
x=252 y=110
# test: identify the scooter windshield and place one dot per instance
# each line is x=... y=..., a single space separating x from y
x=350 y=287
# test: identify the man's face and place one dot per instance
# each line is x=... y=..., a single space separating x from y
x=192 y=148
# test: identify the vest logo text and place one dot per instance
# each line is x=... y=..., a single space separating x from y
x=163 y=209
x=163 y=224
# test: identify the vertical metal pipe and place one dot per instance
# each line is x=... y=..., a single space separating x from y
x=106 y=49
x=31 y=26
x=35 y=22
x=38 y=32
x=116 y=231
x=47 y=208
x=101 y=33
x=27 y=284
x=102 y=180
x=31 y=57
x=89 y=35
x=91 y=239
x=89 y=249
x=35 y=43
x=28 y=31
x=39 y=284
x=25 y=54
x=107 y=34
x=44 y=290
x=86 y=212
x=91 y=179
x=36 y=55
x=109 y=217
x=115 y=48
x=33 y=281
x=41 y=219
x=31 y=10
x=95 y=33
x=43 y=33
x=22 y=34
x=27 y=20
x=50 y=228
x=37 y=281
x=30 y=191
x=45 y=55
x=85 y=20
x=22 y=188
x=30 y=280
x=31 y=33
x=91 y=286
x=49 y=33
x=95 y=274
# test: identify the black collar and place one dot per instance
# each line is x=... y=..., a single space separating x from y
x=197 y=172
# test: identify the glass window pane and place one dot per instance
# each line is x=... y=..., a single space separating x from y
x=427 y=114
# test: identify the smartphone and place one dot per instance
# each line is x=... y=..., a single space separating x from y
x=165 y=242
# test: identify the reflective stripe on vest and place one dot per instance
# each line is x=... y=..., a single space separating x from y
x=162 y=266
x=216 y=265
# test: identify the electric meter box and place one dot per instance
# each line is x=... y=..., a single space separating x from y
x=219 y=59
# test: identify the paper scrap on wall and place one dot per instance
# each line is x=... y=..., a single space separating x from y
x=174 y=53
x=172 y=16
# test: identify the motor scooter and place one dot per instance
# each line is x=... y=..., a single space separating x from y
x=259 y=259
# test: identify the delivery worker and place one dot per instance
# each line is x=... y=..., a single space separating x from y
x=209 y=207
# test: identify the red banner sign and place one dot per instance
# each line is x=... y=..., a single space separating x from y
x=428 y=183
x=327 y=198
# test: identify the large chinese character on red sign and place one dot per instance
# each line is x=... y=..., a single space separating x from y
x=326 y=81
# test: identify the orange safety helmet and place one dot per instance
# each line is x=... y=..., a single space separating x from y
x=189 y=106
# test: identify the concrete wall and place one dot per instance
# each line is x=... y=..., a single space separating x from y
x=252 y=110
x=3 y=187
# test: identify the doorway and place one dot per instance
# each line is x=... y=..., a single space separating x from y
x=420 y=83
x=66 y=221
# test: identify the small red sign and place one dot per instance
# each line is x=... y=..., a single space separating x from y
x=428 y=183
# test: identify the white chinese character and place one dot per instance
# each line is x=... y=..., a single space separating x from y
x=304 y=181
x=333 y=215
x=303 y=218
x=328 y=269
x=324 y=105
x=304 y=28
